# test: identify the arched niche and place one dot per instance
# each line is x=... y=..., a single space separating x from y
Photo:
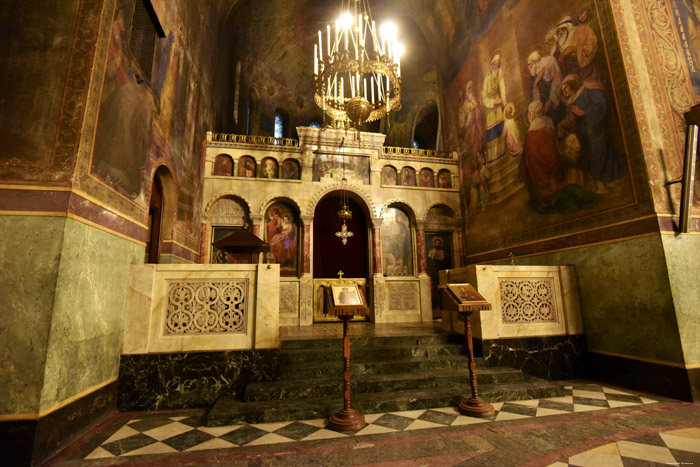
x=228 y=214
x=398 y=256
x=425 y=132
x=162 y=209
x=223 y=165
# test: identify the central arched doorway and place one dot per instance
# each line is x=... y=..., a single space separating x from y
x=330 y=255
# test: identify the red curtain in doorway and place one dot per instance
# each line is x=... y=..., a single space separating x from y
x=330 y=255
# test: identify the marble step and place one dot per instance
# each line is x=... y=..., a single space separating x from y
x=334 y=368
x=364 y=383
x=360 y=353
x=372 y=341
x=227 y=410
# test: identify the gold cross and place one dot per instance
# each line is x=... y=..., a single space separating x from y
x=344 y=233
x=340 y=274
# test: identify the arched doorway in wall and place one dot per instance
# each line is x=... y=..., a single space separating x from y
x=330 y=255
x=155 y=219
x=161 y=214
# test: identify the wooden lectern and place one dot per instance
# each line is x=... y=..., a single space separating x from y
x=465 y=299
x=242 y=247
x=347 y=301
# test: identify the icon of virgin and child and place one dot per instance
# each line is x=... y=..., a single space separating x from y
x=282 y=236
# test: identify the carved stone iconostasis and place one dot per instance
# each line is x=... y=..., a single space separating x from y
x=287 y=192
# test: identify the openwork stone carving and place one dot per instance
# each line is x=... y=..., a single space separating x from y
x=201 y=307
x=527 y=300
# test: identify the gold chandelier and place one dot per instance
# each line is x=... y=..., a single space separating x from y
x=357 y=68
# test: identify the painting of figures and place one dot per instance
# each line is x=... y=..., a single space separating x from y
x=539 y=128
x=438 y=254
x=336 y=166
x=282 y=234
x=397 y=253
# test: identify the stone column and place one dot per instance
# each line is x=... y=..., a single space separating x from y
x=460 y=249
x=257 y=220
x=420 y=246
x=308 y=222
x=376 y=244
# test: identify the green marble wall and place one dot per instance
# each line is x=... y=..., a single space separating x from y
x=683 y=260
x=30 y=252
x=627 y=302
x=88 y=319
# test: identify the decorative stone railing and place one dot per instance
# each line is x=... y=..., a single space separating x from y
x=252 y=139
x=412 y=152
x=204 y=307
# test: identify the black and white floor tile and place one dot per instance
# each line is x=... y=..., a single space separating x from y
x=160 y=433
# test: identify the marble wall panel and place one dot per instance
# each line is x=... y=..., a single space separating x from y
x=552 y=357
x=627 y=303
x=87 y=325
x=29 y=263
x=197 y=379
x=683 y=261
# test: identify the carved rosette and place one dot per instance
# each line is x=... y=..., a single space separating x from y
x=201 y=307
x=527 y=300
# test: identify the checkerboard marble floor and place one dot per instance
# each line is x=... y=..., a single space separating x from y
x=673 y=447
x=155 y=433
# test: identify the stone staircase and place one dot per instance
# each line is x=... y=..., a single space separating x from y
x=503 y=182
x=389 y=374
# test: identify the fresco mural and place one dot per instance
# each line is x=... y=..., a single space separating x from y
x=538 y=129
x=687 y=22
x=334 y=165
x=124 y=127
x=399 y=134
x=282 y=234
x=397 y=250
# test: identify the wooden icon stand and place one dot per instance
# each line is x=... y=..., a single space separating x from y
x=465 y=300
x=347 y=419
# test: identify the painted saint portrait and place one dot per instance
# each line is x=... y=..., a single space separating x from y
x=426 y=178
x=269 y=167
x=397 y=245
x=346 y=295
x=408 y=176
x=282 y=234
x=438 y=255
x=246 y=166
x=466 y=293
x=223 y=165
x=291 y=169
x=444 y=179
x=388 y=175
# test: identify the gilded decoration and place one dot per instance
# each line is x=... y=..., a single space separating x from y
x=320 y=298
